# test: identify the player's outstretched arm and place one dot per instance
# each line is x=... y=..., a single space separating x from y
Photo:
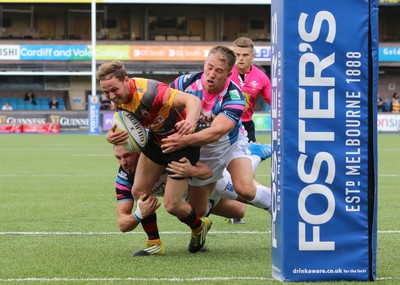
x=220 y=126
x=127 y=220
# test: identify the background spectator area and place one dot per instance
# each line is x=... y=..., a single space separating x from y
x=17 y=102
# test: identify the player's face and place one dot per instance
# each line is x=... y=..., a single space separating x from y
x=244 y=57
x=126 y=159
x=117 y=91
x=216 y=73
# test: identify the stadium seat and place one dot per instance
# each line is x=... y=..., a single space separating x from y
x=43 y=100
x=12 y=101
x=28 y=106
x=44 y=106
x=20 y=106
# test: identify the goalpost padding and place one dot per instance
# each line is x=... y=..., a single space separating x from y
x=324 y=165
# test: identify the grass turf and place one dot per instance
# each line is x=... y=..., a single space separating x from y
x=58 y=222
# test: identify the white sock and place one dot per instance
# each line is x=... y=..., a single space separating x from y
x=255 y=161
x=263 y=197
x=225 y=188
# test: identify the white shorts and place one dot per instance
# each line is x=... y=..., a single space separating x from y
x=218 y=161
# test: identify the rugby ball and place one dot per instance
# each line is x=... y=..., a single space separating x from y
x=125 y=121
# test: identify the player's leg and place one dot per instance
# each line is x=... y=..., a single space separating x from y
x=147 y=174
x=173 y=195
x=230 y=209
x=243 y=183
x=198 y=197
x=242 y=176
x=250 y=128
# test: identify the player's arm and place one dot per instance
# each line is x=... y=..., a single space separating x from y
x=192 y=105
x=128 y=221
x=184 y=168
x=219 y=126
x=266 y=91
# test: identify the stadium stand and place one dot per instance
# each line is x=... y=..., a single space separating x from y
x=18 y=103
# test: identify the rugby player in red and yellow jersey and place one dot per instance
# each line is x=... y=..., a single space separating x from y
x=164 y=111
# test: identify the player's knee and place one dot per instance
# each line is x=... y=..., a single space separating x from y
x=171 y=207
x=136 y=193
x=241 y=211
x=247 y=191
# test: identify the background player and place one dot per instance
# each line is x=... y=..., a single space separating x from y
x=251 y=80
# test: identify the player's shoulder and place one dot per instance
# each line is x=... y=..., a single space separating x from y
x=122 y=174
x=233 y=87
x=258 y=71
x=186 y=80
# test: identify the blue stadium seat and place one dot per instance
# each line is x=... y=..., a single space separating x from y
x=28 y=106
x=44 y=106
x=20 y=106
x=12 y=101
x=43 y=100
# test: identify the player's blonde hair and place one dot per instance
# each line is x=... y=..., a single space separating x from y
x=111 y=69
x=224 y=54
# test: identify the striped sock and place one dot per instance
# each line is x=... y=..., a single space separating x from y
x=149 y=225
x=192 y=220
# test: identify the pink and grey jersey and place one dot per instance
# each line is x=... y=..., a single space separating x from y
x=230 y=102
x=124 y=183
x=255 y=82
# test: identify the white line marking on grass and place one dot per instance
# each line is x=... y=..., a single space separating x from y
x=249 y=278
x=388 y=175
x=130 y=233
x=164 y=233
x=140 y=279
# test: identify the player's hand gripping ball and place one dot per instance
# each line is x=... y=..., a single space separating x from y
x=125 y=121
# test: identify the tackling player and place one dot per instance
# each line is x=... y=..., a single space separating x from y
x=164 y=111
x=218 y=128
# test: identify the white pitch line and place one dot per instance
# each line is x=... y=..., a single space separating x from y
x=164 y=233
x=130 y=233
x=195 y=279
x=140 y=279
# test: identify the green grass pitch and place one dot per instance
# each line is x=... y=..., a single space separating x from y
x=58 y=222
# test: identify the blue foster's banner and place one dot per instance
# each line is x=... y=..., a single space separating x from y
x=94 y=114
x=324 y=180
